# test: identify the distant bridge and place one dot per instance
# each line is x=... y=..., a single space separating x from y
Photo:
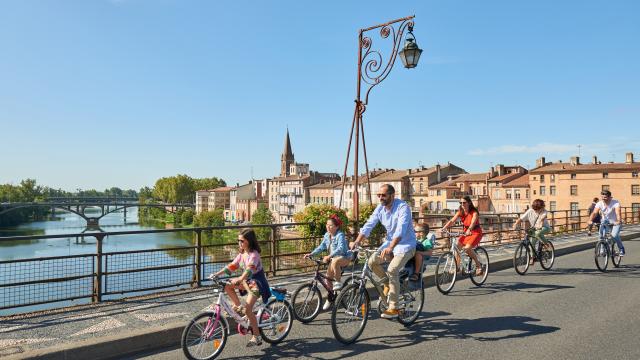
x=79 y=208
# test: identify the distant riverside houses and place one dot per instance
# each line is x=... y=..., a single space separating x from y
x=436 y=189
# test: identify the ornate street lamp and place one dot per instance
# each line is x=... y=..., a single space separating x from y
x=410 y=54
x=371 y=72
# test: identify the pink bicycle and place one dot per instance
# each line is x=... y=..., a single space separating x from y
x=206 y=334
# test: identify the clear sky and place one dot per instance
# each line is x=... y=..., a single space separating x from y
x=101 y=93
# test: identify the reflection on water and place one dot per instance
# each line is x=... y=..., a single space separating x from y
x=68 y=223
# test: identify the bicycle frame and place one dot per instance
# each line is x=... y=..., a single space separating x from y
x=323 y=279
x=457 y=253
x=224 y=304
x=367 y=273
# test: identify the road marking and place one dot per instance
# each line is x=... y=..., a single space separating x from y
x=14 y=342
x=154 y=317
x=108 y=324
x=8 y=329
x=85 y=316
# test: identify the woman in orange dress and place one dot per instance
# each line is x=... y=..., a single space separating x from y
x=472 y=232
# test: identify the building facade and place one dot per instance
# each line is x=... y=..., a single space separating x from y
x=573 y=185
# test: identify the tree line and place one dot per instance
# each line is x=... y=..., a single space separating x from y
x=29 y=191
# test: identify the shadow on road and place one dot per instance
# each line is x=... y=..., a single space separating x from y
x=428 y=328
x=624 y=271
x=497 y=287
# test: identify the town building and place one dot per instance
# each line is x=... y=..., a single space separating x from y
x=289 y=193
x=573 y=185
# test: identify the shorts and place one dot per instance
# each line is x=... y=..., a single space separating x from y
x=253 y=286
x=473 y=239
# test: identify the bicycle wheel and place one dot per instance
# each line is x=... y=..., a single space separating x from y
x=306 y=300
x=410 y=301
x=602 y=255
x=204 y=337
x=446 y=272
x=275 y=320
x=483 y=257
x=521 y=259
x=547 y=255
x=615 y=255
x=350 y=313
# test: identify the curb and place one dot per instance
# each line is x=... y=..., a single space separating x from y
x=169 y=335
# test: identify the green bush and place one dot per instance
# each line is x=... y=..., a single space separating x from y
x=317 y=215
x=377 y=234
x=187 y=217
x=262 y=216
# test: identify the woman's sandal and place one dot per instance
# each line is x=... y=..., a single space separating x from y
x=257 y=341
x=414 y=277
x=480 y=271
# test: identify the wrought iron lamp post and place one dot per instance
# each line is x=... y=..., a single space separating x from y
x=371 y=72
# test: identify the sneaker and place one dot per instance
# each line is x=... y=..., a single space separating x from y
x=621 y=253
x=337 y=286
x=390 y=314
x=327 y=305
x=257 y=341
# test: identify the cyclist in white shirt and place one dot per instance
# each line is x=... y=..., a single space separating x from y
x=610 y=212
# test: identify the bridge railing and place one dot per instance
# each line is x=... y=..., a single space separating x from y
x=105 y=274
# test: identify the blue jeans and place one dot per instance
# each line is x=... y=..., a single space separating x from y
x=615 y=234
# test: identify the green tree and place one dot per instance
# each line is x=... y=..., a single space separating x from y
x=317 y=215
x=187 y=217
x=262 y=216
x=378 y=232
x=208 y=183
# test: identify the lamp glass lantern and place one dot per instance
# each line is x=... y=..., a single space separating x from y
x=410 y=53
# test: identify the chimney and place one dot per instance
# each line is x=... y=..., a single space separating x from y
x=629 y=158
x=500 y=169
x=438 y=174
x=409 y=172
x=595 y=159
x=540 y=162
x=575 y=160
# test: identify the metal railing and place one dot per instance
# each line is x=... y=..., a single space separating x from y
x=104 y=275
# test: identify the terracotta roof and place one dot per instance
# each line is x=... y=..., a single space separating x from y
x=568 y=168
x=363 y=178
x=291 y=178
x=426 y=171
x=392 y=175
x=222 y=189
x=472 y=177
x=449 y=184
x=506 y=177
x=522 y=181
x=326 y=185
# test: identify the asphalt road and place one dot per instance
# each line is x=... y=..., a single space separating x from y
x=570 y=312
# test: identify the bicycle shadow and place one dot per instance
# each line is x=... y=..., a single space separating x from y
x=498 y=287
x=625 y=270
x=431 y=326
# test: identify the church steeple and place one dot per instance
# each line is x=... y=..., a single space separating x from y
x=287 y=158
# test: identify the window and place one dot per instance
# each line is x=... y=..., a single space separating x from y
x=421 y=188
x=605 y=175
x=438 y=192
x=534 y=192
x=605 y=187
x=552 y=190
x=517 y=194
x=573 y=176
x=543 y=191
x=552 y=205
x=574 y=190
x=527 y=193
x=508 y=194
x=634 y=174
x=635 y=189
x=575 y=211
x=553 y=177
x=541 y=178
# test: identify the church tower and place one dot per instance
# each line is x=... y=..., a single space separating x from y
x=286 y=159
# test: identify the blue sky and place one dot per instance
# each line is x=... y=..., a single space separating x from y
x=102 y=93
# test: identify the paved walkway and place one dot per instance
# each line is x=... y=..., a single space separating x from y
x=92 y=323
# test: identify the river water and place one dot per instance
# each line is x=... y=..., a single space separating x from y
x=68 y=223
